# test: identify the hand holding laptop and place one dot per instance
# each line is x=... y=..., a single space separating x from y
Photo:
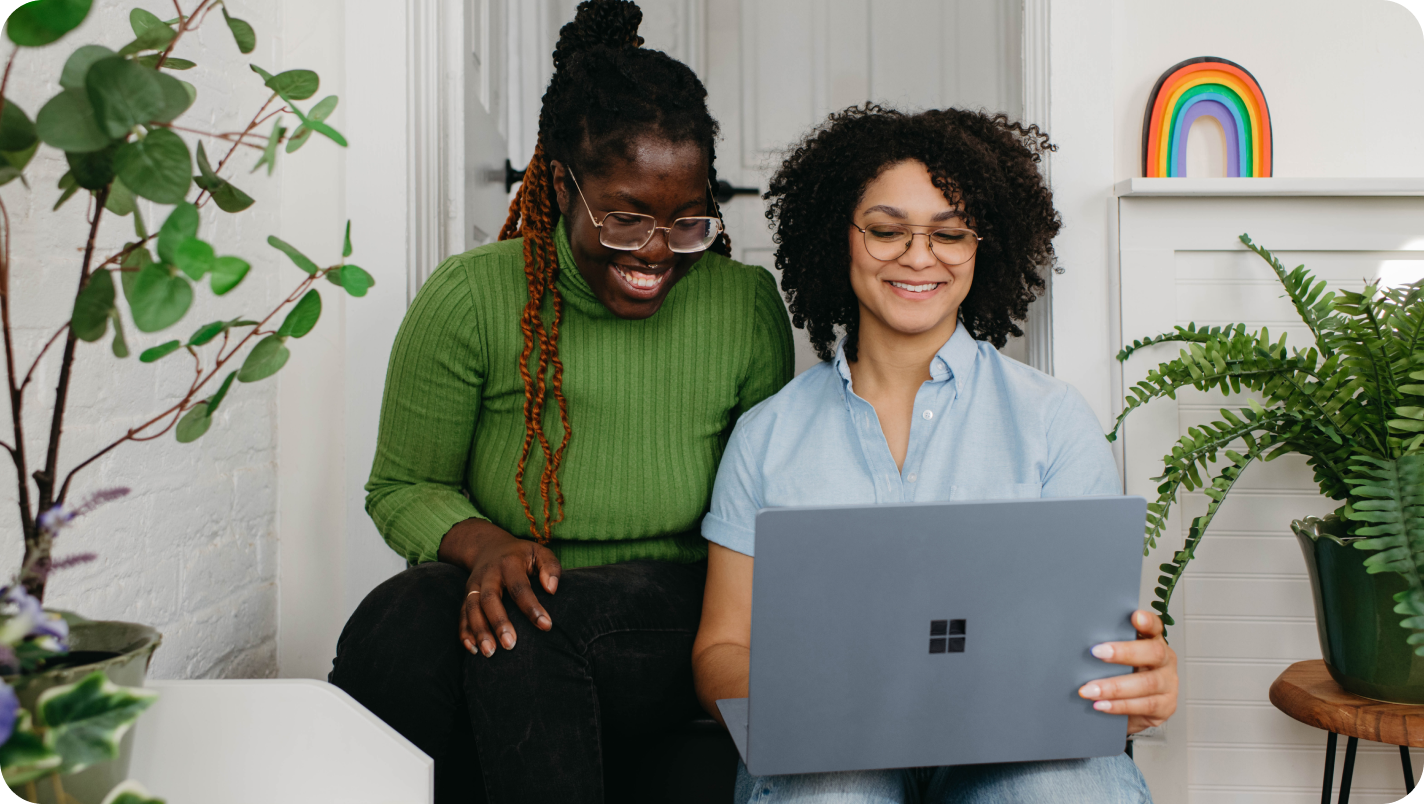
x=1148 y=695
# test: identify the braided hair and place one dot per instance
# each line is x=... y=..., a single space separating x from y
x=606 y=91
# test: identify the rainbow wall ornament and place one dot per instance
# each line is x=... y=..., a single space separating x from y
x=1207 y=87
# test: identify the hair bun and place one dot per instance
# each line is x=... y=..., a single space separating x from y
x=611 y=23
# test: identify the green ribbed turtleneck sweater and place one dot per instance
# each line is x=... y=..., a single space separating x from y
x=651 y=404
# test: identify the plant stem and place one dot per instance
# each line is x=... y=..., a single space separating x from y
x=183 y=23
x=204 y=195
x=17 y=451
x=29 y=374
x=35 y=582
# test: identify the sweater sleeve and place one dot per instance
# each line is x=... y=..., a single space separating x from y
x=772 y=362
x=428 y=414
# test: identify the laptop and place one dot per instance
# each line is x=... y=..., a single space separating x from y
x=926 y=634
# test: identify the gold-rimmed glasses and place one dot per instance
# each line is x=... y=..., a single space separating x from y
x=951 y=246
x=630 y=231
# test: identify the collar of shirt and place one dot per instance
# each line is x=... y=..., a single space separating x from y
x=954 y=360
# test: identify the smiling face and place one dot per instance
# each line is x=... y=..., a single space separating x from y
x=914 y=295
x=667 y=180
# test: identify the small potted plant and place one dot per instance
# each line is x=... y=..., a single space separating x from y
x=1352 y=403
x=70 y=687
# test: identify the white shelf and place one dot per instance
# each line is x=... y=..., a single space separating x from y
x=1199 y=188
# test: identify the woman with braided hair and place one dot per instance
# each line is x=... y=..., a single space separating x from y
x=555 y=408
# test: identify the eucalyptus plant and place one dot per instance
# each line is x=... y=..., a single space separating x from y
x=1352 y=403
x=117 y=119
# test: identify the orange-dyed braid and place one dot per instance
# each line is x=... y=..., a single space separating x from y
x=532 y=216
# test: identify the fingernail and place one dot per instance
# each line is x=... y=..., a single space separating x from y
x=506 y=638
x=544 y=620
x=1103 y=706
x=1090 y=691
x=487 y=647
x=469 y=646
x=553 y=584
x=1103 y=651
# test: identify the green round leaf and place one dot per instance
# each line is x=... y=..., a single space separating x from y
x=301 y=260
x=194 y=258
x=15 y=161
x=121 y=199
x=170 y=63
x=303 y=316
x=266 y=358
x=295 y=84
x=156 y=167
x=207 y=332
x=141 y=20
x=123 y=95
x=93 y=170
x=193 y=424
x=158 y=299
x=159 y=352
x=227 y=273
x=217 y=398
x=178 y=96
x=318 y=113
x=78 y=64
x=43 y=21
x=67 y=122
x=241 y=32
x=93 y=306
x=181 y=224
x=155 y=38
x=121 y=346
x=16 y=131
x=356 y=280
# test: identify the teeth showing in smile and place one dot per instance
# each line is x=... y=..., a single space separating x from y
x=640 y=280
x=916 y=288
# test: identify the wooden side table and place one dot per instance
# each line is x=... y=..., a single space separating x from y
x=1306 y=692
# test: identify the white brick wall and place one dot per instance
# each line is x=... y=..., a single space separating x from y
x=193 y=550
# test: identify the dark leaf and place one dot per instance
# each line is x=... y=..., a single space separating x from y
x=151 y=61
x=16 y=160
x=269 y=152
x=227 y=273
x=182 y=223
x=9 y=173
x=294 y=84
x=225 y=195
x=346 y=245
x=217 y=398
x=78 y=65
x=319 y=112
x=67 y=122
x=193 y=424
x=265 y=359
x=93 y=306
x=121 y=346
x=123 y=94
x=43 y=21
x=156 y=167
x=301 y=260
x=356 y=280
x=121 y=199
x=159 y=352
x=93 y=170
x=158 y=298
x=194 y=258
x=241 y=32
x=303 y=316
x=16 y=131
x=178 y=96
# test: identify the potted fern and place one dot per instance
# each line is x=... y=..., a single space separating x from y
x=1352 y=403
x=69 y=688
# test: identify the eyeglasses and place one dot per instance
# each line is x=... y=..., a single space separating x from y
x=887 y=241
x=630 y=231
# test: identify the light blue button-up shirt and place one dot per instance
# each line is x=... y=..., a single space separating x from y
x=985 y=427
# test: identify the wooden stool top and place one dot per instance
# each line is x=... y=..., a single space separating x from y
x=1306 y=692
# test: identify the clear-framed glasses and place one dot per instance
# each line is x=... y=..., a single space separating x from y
x=630 y=231
x=887 y=241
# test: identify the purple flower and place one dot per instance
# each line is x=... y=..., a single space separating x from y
x=9 y=711
x=24 y=618
x=57 y=518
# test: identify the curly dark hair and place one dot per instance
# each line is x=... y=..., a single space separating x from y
x=989 y=164
x=606 y=91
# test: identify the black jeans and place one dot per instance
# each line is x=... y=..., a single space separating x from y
x=566 y=715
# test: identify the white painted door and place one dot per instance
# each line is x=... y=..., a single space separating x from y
x=1244 y=608
x=486 y=201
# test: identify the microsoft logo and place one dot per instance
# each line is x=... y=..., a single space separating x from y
x=947 y=636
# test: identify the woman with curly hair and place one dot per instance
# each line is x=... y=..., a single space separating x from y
x=555 y=408
x=923 y=238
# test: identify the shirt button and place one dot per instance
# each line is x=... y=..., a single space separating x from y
x=912 y=477
x=929 y=414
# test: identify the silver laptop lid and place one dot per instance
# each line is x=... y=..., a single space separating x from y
x=894 y=636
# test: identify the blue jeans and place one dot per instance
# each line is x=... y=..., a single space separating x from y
x=1101 y=780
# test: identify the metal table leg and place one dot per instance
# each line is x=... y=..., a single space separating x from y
x=1329 y=767
x=1349 y=770
x=1408 y=769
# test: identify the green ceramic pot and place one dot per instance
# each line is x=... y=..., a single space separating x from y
x=1360 y=636
x=122 y=651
